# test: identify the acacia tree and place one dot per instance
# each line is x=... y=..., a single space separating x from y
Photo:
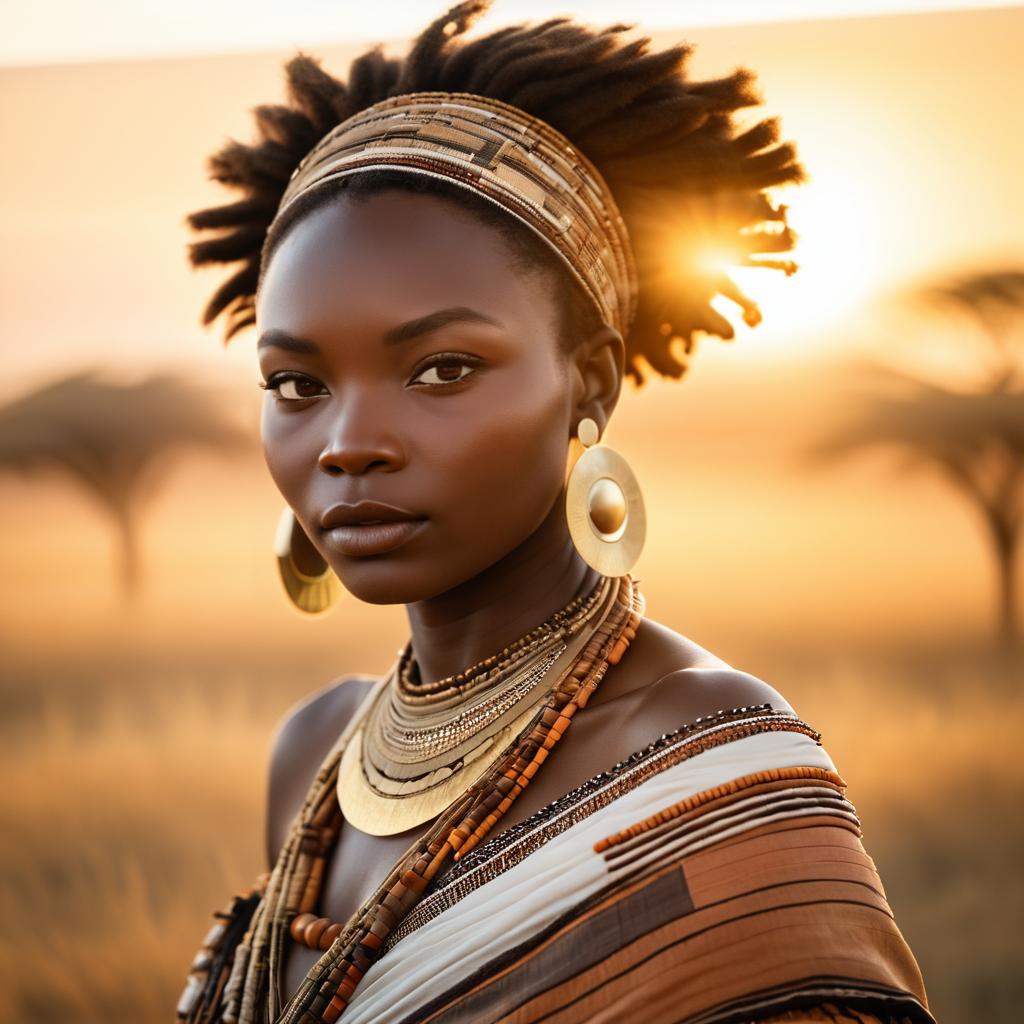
x=972 y=436
x=116 y=441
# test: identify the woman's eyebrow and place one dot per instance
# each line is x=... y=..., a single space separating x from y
x=403 y=332
x=434 y=321
x=282 y=339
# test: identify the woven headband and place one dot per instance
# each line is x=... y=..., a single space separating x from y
x=504 y=154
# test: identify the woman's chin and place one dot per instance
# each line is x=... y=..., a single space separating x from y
x=398 y=579
x=383 y=580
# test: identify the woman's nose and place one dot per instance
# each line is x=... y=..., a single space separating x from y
x=360 y=442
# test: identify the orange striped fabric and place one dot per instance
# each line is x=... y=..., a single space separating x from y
x=786 y=919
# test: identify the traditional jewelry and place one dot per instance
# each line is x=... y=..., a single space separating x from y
x=511 y=158
x=355 y=945
x=312 y=595
x=414 y=690
x=415 y=755
x=286 y=899
x=603 y=504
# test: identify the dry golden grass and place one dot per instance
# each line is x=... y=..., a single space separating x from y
x=129 y=820
x=124 y=833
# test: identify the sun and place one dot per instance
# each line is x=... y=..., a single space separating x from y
x=837 y=255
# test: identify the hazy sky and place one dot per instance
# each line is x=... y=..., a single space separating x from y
x=908 y=129
x=902 y=122
x=72 y=30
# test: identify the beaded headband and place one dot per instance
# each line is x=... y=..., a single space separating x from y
x=504 y=154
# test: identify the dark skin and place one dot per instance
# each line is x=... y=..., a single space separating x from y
x=477 y=443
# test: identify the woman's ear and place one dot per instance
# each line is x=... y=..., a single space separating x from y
x=598 y=367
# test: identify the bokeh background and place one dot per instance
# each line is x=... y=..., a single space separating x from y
x=835 y=497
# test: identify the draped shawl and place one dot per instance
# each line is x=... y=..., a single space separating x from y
x=717 y=875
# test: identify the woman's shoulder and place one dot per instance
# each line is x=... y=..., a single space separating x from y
x=314 y=718
x=301 y=741
x=663 y=683
x=674 y=679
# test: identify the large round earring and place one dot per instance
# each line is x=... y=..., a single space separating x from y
x=313 y=595
x=603 y=504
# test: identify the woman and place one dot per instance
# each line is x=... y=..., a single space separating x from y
x=448 y=294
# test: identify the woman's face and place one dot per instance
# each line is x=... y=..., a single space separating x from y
x=410 y=364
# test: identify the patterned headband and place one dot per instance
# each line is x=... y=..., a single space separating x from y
x=509 y=157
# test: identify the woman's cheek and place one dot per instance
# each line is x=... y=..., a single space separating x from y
x=290 y=455
x=508 y=461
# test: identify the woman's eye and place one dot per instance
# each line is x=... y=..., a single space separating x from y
x=448 y=372
x=293 y=387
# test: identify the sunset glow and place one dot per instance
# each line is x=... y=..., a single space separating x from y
x=839 y=257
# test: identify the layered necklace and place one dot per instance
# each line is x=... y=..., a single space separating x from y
x=423 y=744
x=469 y=745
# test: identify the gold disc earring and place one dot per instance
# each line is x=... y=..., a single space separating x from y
x=312 y=595
x=603 y=504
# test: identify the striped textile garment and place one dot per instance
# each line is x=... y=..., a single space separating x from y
x=717 y=875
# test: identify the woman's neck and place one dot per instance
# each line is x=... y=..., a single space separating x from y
x=478 y=618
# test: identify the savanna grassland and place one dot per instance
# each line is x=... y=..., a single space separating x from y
x=134 y=808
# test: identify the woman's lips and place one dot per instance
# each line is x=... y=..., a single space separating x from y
x=372 y=538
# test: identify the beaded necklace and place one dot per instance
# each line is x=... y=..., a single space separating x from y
x=413 y=756
x=414 y=690
x=288 y=897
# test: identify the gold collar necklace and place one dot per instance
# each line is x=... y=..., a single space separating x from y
x=421 y=745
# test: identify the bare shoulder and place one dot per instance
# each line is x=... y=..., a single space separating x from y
x=689 y=693
x=303 y=738
x=674 y=680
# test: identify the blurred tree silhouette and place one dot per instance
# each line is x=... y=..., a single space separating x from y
x=994 y=302
x=115 y=441
x=974 y=438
